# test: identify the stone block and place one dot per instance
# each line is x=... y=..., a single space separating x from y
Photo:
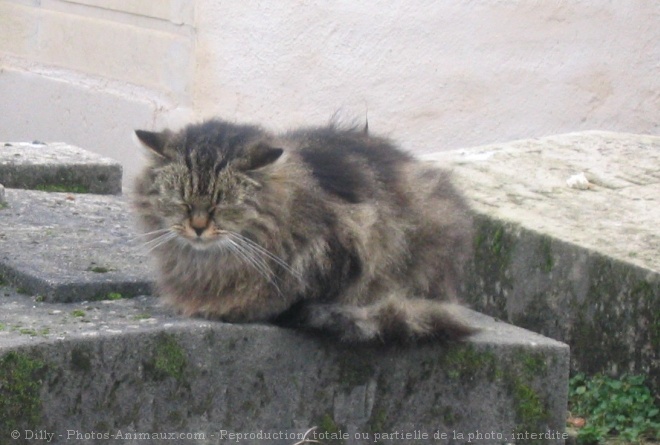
x=58 y=167
x=568 y=241
x=128 y=368
x=68 y=247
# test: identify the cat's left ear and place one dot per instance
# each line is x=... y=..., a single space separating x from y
x=154 y=141
x=261 y=155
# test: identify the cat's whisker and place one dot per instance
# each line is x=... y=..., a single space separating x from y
x=153 y=232
x=159 y=241
x=257 y=263
x=147 y=234
x=255 y=255
x=257 y=249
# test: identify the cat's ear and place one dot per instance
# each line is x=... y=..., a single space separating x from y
x=155 y=141
x=261 y=155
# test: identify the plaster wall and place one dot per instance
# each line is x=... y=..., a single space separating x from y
x=432 y=75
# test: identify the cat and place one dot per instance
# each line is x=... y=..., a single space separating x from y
x=330 y=229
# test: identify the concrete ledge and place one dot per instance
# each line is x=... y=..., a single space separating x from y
x=568 y=242
x=58 y=167
x=127 y=367
x=71 y=247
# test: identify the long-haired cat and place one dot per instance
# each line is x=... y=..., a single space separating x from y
x=326 y=228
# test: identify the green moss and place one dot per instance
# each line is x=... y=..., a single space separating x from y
x=99 y=269
x=62 y=188
x=532 y=364
x=23 y=291
x=545 y=251
x=327 y=425
x=29 y=331
x=493 y=253
x=112 y=296
x=530 y=410
x=464 y=363
x=3 y=326
x=3 y=280
x=169 y=358
x=141 y=317
x=449 y=417
x=20 y=382
x=175 y=419
x=496 y=244
x=78 y=313
x=378 y=421
x=102 y=427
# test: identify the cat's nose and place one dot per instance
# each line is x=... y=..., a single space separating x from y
x=199 y=230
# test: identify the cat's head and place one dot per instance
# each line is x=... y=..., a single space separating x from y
x=205 y=182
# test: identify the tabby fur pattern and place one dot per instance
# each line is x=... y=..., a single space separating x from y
x=324 y=228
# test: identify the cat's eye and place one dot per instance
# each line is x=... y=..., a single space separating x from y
x=187 y=207
x=212 y=209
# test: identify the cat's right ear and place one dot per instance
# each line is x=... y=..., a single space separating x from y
x=155 y=141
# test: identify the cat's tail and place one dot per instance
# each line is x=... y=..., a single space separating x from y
x=390 y=320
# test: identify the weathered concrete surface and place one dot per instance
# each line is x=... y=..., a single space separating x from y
x=68 y=247
x=574 y=261
x=127 y=366
x=57 y=167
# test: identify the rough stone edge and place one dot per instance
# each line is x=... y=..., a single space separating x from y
x=74 y=177
x=584 y=358
x=69 y=292
x=197 y=330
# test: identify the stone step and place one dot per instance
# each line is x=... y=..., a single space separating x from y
x=111 y=365
x=57 y=167
x=71 y=247
x=129 y=367
x=568 y=241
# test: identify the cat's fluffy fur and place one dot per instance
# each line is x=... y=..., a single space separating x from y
x=326 y=228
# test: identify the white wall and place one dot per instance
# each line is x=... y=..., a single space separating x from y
x=433 y=75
